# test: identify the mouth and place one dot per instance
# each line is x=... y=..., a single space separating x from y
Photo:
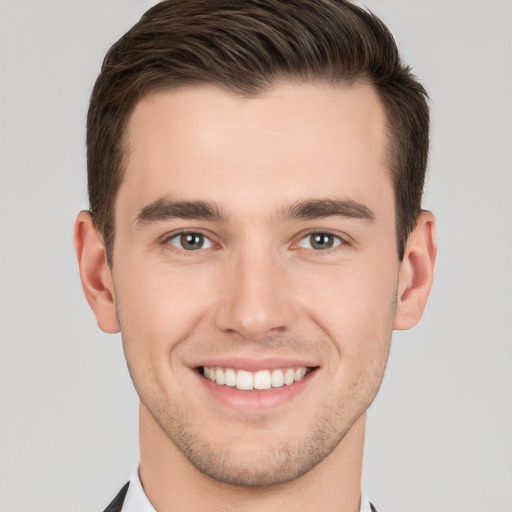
x=246 y=384
x=264 y=379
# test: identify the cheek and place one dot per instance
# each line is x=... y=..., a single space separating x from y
x=356 y=307
x=358 y=318
x=157 y=307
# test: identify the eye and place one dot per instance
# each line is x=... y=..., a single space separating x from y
x=190 y=241
x=320 y=241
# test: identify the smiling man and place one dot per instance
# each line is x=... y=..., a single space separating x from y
x=255 y=232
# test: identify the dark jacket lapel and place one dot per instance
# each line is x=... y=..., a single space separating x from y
x=117 y=502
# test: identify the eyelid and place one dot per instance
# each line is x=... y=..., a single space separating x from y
x=343 y=239
x=165 y=239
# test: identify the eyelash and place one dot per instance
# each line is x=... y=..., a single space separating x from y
x=181 y=234
x=337 y=240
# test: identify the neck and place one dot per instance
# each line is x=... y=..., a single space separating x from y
x=173 y=484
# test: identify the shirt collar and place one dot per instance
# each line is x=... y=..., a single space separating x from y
x=137 y=501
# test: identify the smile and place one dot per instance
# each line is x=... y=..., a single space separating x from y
x=263 y=379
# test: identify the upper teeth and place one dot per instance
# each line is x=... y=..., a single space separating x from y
x=263 y=379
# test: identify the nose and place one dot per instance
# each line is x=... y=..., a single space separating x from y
x=257 y=300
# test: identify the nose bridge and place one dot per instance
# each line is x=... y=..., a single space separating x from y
x=256 y=302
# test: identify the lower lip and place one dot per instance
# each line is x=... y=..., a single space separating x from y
x=256 y=399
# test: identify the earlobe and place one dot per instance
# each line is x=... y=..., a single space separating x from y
x=94 y=272
x=416 y=272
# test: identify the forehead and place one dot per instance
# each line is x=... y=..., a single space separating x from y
x=294 y=141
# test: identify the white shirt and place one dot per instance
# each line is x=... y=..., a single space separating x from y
x=137 y=501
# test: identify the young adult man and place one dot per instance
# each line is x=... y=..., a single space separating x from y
x=255 y=233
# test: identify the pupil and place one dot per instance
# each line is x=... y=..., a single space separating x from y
x=192 y=241
x=321 y=241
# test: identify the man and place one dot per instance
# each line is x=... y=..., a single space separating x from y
x=255 y=232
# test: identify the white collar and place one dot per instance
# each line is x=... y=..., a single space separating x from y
x=137 y=501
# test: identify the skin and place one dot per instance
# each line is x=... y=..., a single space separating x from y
x=257 y=290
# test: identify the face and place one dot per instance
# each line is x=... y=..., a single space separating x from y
x=255 y=272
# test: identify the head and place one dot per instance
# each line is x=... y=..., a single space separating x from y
x=255 y=178
x=247 y=47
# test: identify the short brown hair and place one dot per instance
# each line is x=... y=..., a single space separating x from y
x=247 y=47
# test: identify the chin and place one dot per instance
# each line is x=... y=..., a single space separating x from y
x=256 y=465
x=255 y=470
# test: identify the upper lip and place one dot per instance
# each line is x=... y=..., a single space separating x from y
x=254 y=364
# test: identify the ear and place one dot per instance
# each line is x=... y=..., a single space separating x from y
x=95 y=273
x=416 y=272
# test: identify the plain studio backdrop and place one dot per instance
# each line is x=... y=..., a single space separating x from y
x=440 y=432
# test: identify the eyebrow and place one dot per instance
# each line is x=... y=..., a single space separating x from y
x=321 y=208
x=164 y=209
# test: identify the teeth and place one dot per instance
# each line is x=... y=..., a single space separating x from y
x=263 y=379
x=219 y=376
x=299 y=373
x=244 y=380
x=277 y=379
x=289 y=376
x=230 y=377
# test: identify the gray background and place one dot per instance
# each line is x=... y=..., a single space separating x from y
x=439 y=434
